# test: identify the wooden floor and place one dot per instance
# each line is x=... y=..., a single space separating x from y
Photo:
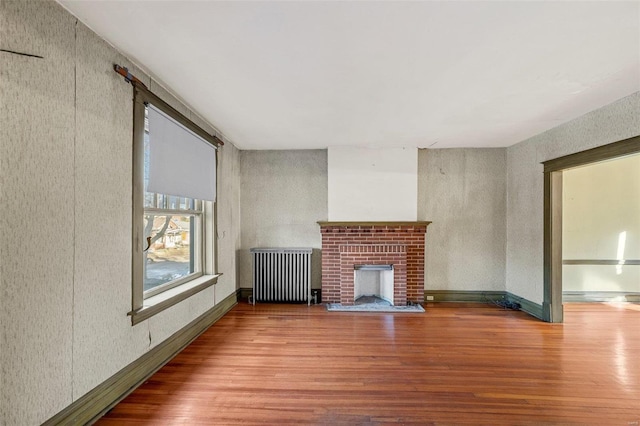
x=455 y=364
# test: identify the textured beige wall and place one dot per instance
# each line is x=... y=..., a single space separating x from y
x=617 y=121
x=65 y=207
x=463 y=192
x=102 y=219
x=36 y=210
x=600 y=216
x=283 y=195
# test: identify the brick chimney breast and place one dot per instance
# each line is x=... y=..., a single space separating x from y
x=346 y=245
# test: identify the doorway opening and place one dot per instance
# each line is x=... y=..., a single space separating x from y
x=601 y=232
x=553 y=216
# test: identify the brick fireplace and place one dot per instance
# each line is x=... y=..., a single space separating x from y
x=348 y=245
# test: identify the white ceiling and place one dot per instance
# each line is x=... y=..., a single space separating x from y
x=290 y=75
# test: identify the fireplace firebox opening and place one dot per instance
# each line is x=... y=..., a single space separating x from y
x=373 y=283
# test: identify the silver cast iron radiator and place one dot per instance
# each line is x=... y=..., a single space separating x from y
x=281 y=274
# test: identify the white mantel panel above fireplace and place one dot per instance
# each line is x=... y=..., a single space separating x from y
x=372 y=184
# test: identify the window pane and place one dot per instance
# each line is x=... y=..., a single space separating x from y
x=171 y=254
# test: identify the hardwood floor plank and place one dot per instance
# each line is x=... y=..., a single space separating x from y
x=454 y=364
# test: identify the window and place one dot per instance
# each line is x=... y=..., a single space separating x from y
x=173 y=233
x=174 y=166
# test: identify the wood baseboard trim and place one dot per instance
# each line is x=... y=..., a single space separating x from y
x=244 y=293
x=600 y=296
x=463 y=296
x=93 y=405
x=533 y=309
x=527 y=306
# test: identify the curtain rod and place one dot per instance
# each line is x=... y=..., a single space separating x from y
x=156 y=100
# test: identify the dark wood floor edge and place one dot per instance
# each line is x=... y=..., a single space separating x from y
x=93 y=405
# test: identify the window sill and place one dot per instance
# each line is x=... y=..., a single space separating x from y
x=167 y=299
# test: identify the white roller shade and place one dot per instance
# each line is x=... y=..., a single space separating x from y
x=180 y=163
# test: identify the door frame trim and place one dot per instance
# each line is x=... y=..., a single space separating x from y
x=553 y=169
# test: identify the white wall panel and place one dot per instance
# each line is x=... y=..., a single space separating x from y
x=372 y=184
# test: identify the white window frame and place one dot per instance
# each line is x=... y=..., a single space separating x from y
x=146 y=304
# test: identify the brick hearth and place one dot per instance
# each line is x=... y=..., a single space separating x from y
x=346 y=244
